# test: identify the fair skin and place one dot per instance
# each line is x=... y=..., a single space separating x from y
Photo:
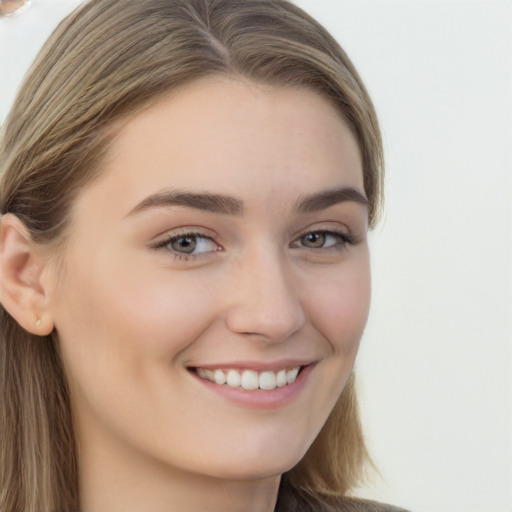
x=152 y=294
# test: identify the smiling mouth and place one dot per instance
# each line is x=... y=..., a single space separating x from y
x=250 y=380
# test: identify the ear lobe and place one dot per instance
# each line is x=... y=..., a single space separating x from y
x=21 y=264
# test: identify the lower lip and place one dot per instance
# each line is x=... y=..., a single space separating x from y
x=258 y=398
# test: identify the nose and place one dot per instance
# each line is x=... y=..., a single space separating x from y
x=264 y=300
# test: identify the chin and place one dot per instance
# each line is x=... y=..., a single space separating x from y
x=258 y=466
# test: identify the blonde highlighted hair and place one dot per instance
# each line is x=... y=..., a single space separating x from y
x=107 y=60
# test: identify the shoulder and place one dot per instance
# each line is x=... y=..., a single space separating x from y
x=294 y=502
x=360 y=505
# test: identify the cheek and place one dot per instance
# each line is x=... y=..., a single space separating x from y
x=124 y=326
x=128 y=305
x=340 y=306
x=165 y=312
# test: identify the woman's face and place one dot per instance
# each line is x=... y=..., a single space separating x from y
x=225 y=240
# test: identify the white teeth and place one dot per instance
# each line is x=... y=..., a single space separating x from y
x=268 y=380
x=281 y=378
x=249 y=379
x=291 y=375
x=219 y=377
x=233 y=379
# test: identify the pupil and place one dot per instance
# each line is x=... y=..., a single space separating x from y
x=184 y=244
x=314 y=240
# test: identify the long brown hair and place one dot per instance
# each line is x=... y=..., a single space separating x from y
x=109 y=59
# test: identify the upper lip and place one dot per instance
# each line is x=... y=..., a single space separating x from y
x=258 y=366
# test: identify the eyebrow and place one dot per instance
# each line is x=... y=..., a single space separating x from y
x=215 y=203
x=228 y=205
x=324 y=199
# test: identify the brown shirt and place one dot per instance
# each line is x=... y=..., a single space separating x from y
x=290 y=501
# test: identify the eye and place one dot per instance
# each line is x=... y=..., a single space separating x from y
x=188 y=244
x=323 y=240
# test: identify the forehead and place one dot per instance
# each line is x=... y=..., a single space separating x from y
x=240 y=137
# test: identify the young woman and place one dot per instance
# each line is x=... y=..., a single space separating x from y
x=186 y=191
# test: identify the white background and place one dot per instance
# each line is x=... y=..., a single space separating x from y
x=435 y=368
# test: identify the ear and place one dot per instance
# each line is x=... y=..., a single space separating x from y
x=22 y=264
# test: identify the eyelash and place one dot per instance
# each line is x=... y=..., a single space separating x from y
x=165 y=243
x=344 y=240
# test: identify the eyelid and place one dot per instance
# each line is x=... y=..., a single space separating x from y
x=162 y=243
x=332 y=226
x=346 y=238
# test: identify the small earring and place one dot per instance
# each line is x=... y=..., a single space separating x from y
x=38 y=322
